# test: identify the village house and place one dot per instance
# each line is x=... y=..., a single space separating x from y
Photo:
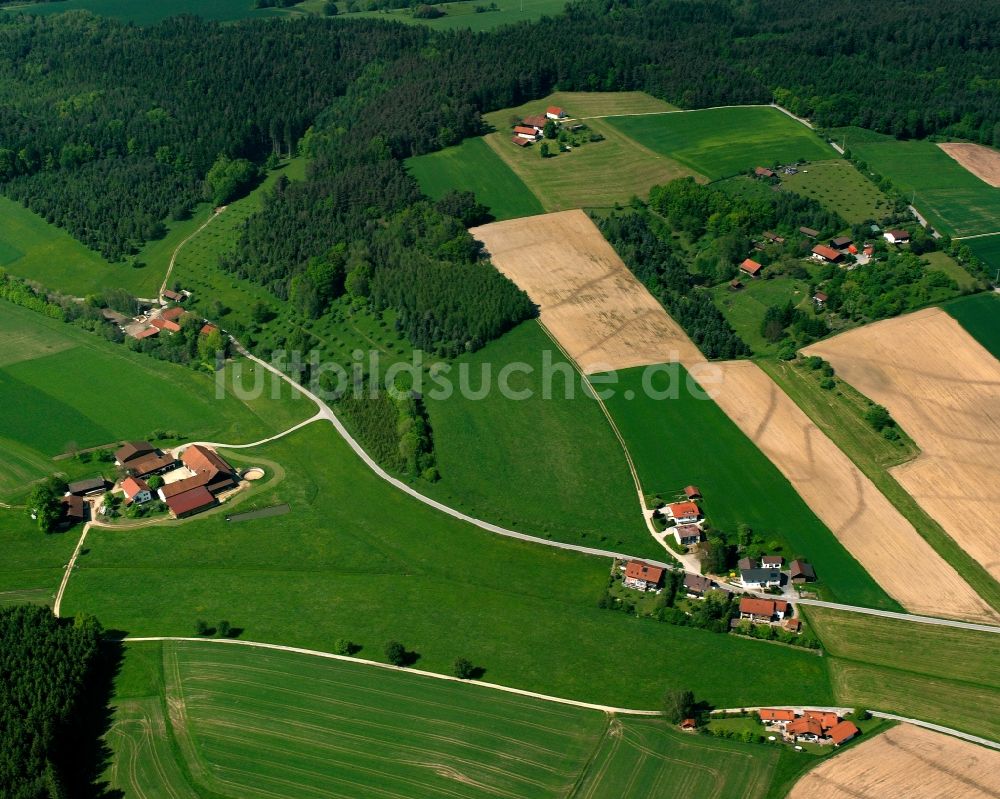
x=827 y=254
x=751 y=267
x=763 y=611
x=774 y=238
x=778 y=717
x=525 y=132
x=132 y=451
x=73 y=510
x=760 y=578
x=208 y=470
x=897 y=236
x=799 y=571
x=811 y=726
x=804 y=729
x=191 y=502
x=687 y=534
x=136 y=490
x=841 y=242
x=763 y=172
x=695 y=585
x=843 y=732
x=537 y=121
x=642 y=576
x=555 y=112
x=165 y=324
x=87 y=487
x=772 y=561
x=173 y=296
x=173 y=314
x=522 y=142
x=684 y=512
x=692 y=492
x=207 y=329
x=820 y=298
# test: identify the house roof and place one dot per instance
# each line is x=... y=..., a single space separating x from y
x=697 y=583
x=736 y=283
x=688 y=724
x=131 y=450
x=72 y=507
x=165 y=324
x=759 y=575
x=151 y=463
x=207 y=328
x=763 y=172
x=147 y=333
x=758 y=607
x=173 y=295
x=841 y=241
x=637 y=570
x=86 y=486
x=683 y=509
x=770 y=235
x=805 y=726
x=180 y=486
x=898 y=234
x=525 y=130
x=751 y=266
x=685 y=530
x=800 y=568
x=535 y=120
x=195 y=499
x=820 y=296
x=520 y=141
x=776 y=714
x=808 y=231
x=173 y=314
x=554 y=109
x=843 y=731
x=201 y=459
x=132 y=486
x=780 y=605
x=692 y=492
x=827 y=719
x=772 y=560
x=826 y=252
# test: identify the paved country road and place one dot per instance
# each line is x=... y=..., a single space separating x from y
x=889 y=614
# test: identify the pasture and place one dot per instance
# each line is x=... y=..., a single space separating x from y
x=462 y=14
x=588 y=299
x=987 y=249
x=644 y=758
x=953 y=199
x=474 y=166
x=938 y=383
x=547 y=463
x=142 y=12
x=745 y=309
x=63 y=388
x=722 y=142
x=905 y=762
x=358 y=559
x=953 y=269
x=980 y=316
x=33 y=562
x=683 y=438
x=839 y=187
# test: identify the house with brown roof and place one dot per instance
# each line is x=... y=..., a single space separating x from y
x=642 y=576
x=745 y=563
x=165 y=324
x=149 y=332
x=173 y=314
x=898 y=236
x=87 y=486
x=804 y=729
x=525 y=132
x=820 y=298
x=521 y=142
x=799 y=571
x=763 y=611
x=841 y=242
x=173 y=296
x=695 y=585
x=207 y=328
x=217 y=473
x=774 y=238
x=763 y=172
x=535 y=121
x=778 y=717
x=823 y=253
x=808 y=231
x=683 y=512
x=132 y=451
x=190 y=502
x=692 y=492
x=843 y=732
x=157 y=463
x=751 y=267
x=735 y=284
x=136 y=490
x=687 y=534
x=555 y=112
x=73 y=510
x=772 y=561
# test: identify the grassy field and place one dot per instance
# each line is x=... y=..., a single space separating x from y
x=745 y=309
x=840 y=415
x=143 y=12
x=953 y=199
x=595 y=174
x=839 y=187
x=987 y=249
x=722 y=142
x=945 y=263
x=980 y=316
x=546 y=466
x=463 y=14
x=62 y=387
x=357 y=559
x=641 y=757
x=33 y=562
x=687 y=440
x=474 y=166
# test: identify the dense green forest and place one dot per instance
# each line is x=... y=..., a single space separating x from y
x=47 y=670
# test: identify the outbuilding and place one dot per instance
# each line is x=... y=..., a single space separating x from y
x=799 y=571
x=823 y=253
x=191 y=502
x=751 y=267
x=897 y=236
x=87 y=487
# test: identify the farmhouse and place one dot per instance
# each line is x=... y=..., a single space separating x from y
x=136 y=490
x=165 y=324
x=521 y=142
x=535 y=121
x=73 y=509
x=132 y=451
x=642 y=576
x=555 y=112
x=774 y=238
x=820 y=298
x=208 y=469
x=779 y=717
x=823 y=253
x=896 y=236
x=190 y=502
x=763 y=172
x=804 y=729
x=841 y=242
x=751 y=267
x=149 y=332
x=87 y=487
x=808 y=231
x=524 y=132
x=801 y=572
x=173 y=296
x=695 y=585
x=759 y=579
x=763 y=610
x=687 y=534
x=692 y=492
x=684 y=512
x=843 y=732
x=772 y=561
x=157 y=463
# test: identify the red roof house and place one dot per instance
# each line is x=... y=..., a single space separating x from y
x=751 y=267
x=136 y=490
x=535 y=121
x=642 y=575
x=692 y=492
x=173 y=296
x=823 y=253
x=555 y=112
x=763 y=172
x=804 y=727
x=166 y=324
x=149 y=332
x=190 y=502
x=684 y=512
x=207 y=328
x=173 y=314
x=826 y=718
x=770 y=715
x=843 y=732
x=525 y=132
x=521 y=141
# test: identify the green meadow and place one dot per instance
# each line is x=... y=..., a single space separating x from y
x=473 y=166
x=33 y=562
x=686 y=439
x=722 y=142
x=987 y=249
x=953 y=199
x=979 y=314
x=545 y=466
x=358 y=559
x=143 y=12
x=839 y=187
x=745 y=309
x=463 y=14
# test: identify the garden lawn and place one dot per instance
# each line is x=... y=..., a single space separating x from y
x=546 y=466
x=722 y=142
x=473 y=166
x=980 y=316
x=840 y=188
x=953 y=199
x=358 y=559
x=687 y=440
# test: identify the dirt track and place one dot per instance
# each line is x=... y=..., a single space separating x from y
x=943 y=387
x=588 y=299
x=983 y=162
x=860 y=516
x=905 y=762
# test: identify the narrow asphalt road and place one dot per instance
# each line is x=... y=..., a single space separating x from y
x=889 y=614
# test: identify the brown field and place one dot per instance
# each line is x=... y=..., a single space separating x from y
x=906 y=762
x=864 y=521
x=588 y=299
x=943 y=388
x=983 y=162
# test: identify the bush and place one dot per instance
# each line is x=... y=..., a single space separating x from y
x=464 y=669
x=223 y=629
x=395 y=653
x=343 y=646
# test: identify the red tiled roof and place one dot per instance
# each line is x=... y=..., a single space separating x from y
x=751 y=266
x=772 y=560
x=147 y=333
x=207 y=328
x=165 y=324
x=775 y=714
x=843 y=732
x=827 y=719
x=764 y=172
x=173 y=314
x=195 y=499
x=521 y=142
x=820 y=296
x=757 y=607
x=637 y=570
x=525 y=130
x=201 y=459
x=680 y=510
x=826 y=252
x=133 y=450
x=132 y=486
x=173 y=295
x=554 y=109
x=181 y=486
x=536 y=121
x=804 y=726
x=693 y=492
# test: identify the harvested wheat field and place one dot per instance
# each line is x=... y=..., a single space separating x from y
x=588 y=299
x=983 y=162
x=943 y=388
x=906 y=762
x=864 y=521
